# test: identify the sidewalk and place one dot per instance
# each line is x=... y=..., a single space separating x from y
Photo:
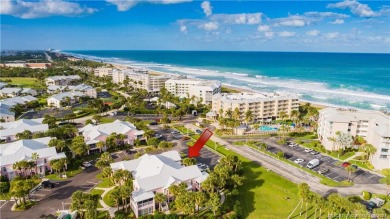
x=110 y=210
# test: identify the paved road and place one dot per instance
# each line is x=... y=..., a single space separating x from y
x=294 y=174
x=48 y=57
x=50 y=200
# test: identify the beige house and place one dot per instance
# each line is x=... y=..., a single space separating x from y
x=373 y=126
x=264 y=106
x=155 y=174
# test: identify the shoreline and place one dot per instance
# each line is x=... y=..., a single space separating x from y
x=224 y=85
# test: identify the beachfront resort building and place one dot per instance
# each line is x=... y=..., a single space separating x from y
x=264 y=106
x=9 y=130
x=101 y=72
x=191 y=87
x=154 y=174
x=17 y=91
x=373 y=126
x=23 y=150
x=99 y=133
x=66 y=99
x=62 y=80
x=6 y=105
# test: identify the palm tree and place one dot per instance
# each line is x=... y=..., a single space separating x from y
x=248 y=116
x=294 y=115
x=283 y=130
x=35 y=157
x=199 y=199
x=149 y=134
x=116 y=196
x=220 y=114
x=100 y=145
x=370 y=150
x=160 y=198
x=229 y=113
x=282 y=115
x=107 y=172
x=236 y=114
x=303 y=193
x=350 y=169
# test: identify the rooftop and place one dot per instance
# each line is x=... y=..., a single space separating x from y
x=61 y=96
x=12 y=128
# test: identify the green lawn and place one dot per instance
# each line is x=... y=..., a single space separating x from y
x=69 y=173
x=108 y=200
x=24 y=82
x=98 y=192
x=104 y=183
x=106 y=120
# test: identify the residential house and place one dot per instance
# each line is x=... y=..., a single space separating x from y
x=6 y=105
x=17 y=91
x=155 y=174
x=84 y=88
x=62 y=80
x=8 y=130
x=13 y=152
x=99 y=133
x=58 y=99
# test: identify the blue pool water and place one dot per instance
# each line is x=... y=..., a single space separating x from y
x=267 y=128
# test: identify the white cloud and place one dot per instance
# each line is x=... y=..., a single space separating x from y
x=263 y=28
x=253 y=18
x=269 y=35
x=124 y=5
x=207 y=8
x=322 y=15
x=313 y=33
x=338 y=21
x=286 y=34
x=361 y=10
x=292 y=22
x=332 y=35
x=44 y=8
x=183 y=29
x=209 y=26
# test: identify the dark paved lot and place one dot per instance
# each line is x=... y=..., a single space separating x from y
x=41 y=113
x=336 y=172
x=51 y=200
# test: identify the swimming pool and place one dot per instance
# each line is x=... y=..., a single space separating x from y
x=267 y=128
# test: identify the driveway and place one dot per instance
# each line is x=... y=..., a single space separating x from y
x=40 y=113
x=51 y=200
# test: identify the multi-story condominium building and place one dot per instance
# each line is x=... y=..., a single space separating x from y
x=23 y=150
x=8 y=130
x=101 y=72
x=155 y=174
x=99 y=133
x=191 y=87
x=264 y=106
x=57 y=99
x=6 y=114
x=17 y=91
x=373 y=126
x=140 y=78
x=62 y=80
x=23 y=64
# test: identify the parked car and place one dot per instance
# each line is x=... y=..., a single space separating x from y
x=87 y=164
x=299 y=160
x=323 y=170
x=153 y=123
x=198 y=131
x=307 y=150
x=185 y=138
x=313 y=163
x=47 y=184
x=375 y=203
x=287 y=155
x=345 y=164
x=131 y=152
x=158 y=136
x=314 y=152
x=174 y=132
x=292 y=145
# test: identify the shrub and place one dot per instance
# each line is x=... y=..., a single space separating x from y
x=4 y=187
x=386 y=172
x=366 y=195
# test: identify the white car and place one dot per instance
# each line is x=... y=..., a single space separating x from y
x=158 y=136
x=87 y=164
x=307 y=150
x=291 y=145
x=299 y=160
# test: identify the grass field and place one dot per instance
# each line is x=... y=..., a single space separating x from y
x=107 y=199
x=24 y=82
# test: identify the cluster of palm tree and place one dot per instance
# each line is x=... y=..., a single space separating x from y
x=232 y=118
x=20 y=190
x=86 y=204
x=113 y=140
x=124 y=187
x=23 y=168
x=332 y=205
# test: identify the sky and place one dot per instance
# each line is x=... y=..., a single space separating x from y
x=305 y=26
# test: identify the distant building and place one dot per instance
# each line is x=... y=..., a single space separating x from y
x=264 y=106
x=17 y=91
x=23 y=150
x=8 y=130
x=57 y=99
x=373 y=126
x=88 y=90
x=154 y=174
x=6 y=105
x=99 y=133
x=62 y=80
x=73 y=59
x=23 y=64
x=101 y=72
x=39 y=65
x=191 y=87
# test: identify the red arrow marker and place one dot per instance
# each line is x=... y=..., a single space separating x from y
x=194 y=150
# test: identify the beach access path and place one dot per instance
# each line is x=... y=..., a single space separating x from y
x=294 y=174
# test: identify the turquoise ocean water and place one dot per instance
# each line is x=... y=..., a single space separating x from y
x=343 y=79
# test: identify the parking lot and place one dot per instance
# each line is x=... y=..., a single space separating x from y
x=336 y=171
x=206 y=156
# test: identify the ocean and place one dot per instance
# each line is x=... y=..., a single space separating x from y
x=339 y=79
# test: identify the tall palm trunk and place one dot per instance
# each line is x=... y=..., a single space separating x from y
x=300 y=212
